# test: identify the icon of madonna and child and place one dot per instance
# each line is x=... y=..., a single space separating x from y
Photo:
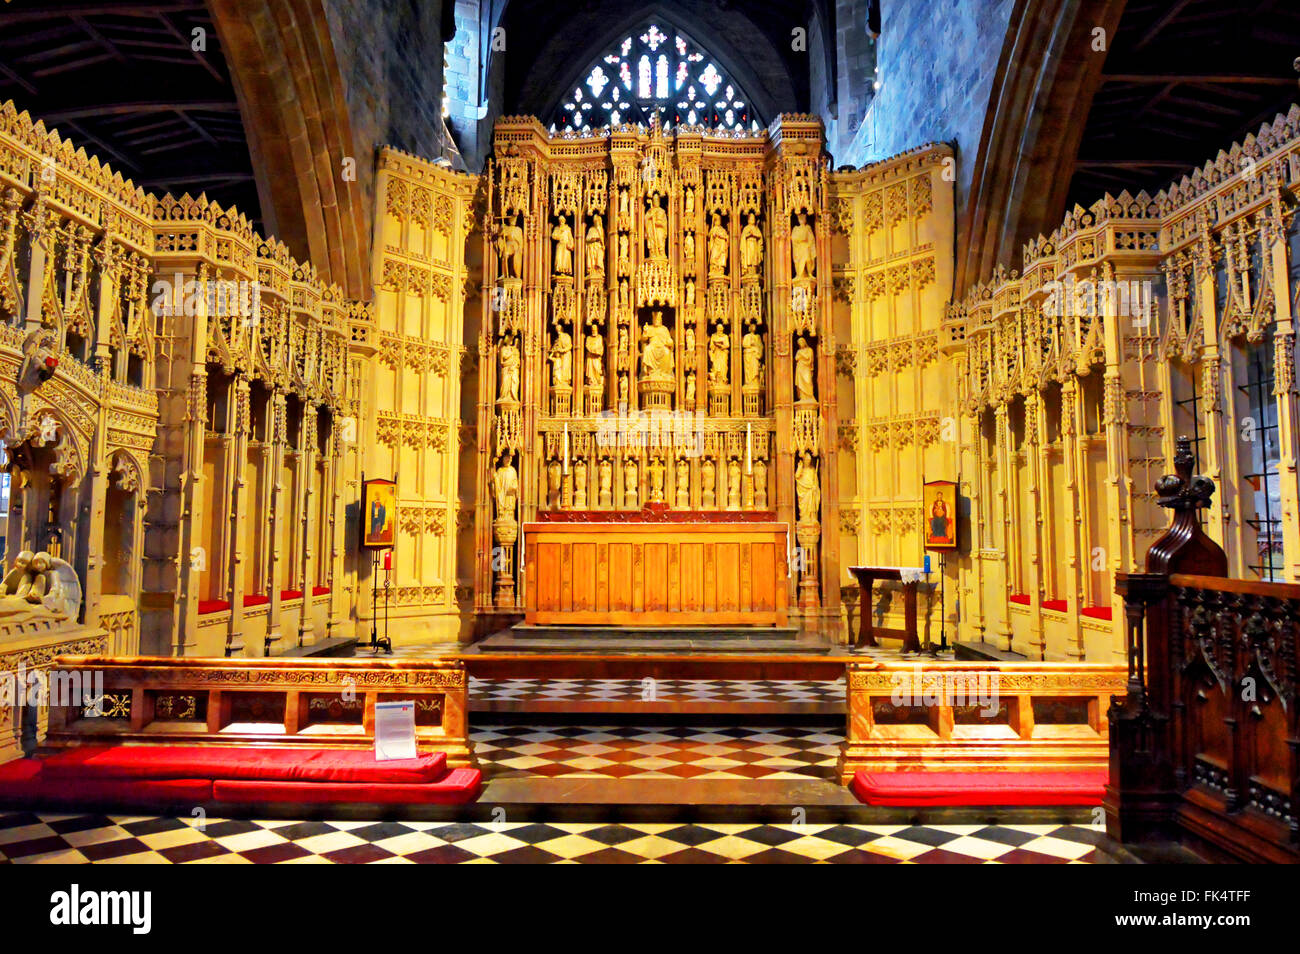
x=941 y=514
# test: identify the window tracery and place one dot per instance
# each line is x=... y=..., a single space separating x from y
x=651 y=71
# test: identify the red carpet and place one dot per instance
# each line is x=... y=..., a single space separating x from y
x=971 y=789
x=146 y=774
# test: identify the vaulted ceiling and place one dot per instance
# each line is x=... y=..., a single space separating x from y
x=1183 y=79
x=124 y=79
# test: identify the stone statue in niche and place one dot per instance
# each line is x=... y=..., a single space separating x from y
x=595 y=247
x=510 y=248
x=751 y=247
x=505 y=488
x=804 y=389
x=580 y=485
x=689 y=295
x=656 y=231
x=509 y=354
x=751 y=346
x=561 y=357
x=708 y=484
x=683 y=484
x=688 y=343
x=622 y=389
x=624 y=298
x=760 y=483
x=719 y=244
x=719 y=357
x=803 y=248
x=595 y=360
x=622 y=201
x=690 y=390
x=807 y=489
x=656 y=350
x=733 y=484
x=605 y=482
x=563 y=236
x=688 y=250
x=656 y=471
x=630 y=482
x=689 y=203
x=623 y=262
x=554 y=480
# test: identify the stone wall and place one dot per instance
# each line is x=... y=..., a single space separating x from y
x=936 y=63
x=390 y=54
x=855 y=58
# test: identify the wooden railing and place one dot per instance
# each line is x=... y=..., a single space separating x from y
x=1206 y=744
x=241 y=701
x=996 y=716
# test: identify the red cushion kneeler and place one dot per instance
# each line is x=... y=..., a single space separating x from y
x=240 y=762
x=955 y=789
x=461 y=785
x=24 y=779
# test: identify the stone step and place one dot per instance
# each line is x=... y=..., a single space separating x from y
x=690 y=633
x=636 y=644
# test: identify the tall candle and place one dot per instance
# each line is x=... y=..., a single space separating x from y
x=749 y=448
x=565 y=462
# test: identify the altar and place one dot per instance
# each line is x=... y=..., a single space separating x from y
x=655 y=573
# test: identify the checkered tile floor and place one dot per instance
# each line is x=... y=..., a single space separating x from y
x=488 y=691
x=668 y=751
x=27 y=838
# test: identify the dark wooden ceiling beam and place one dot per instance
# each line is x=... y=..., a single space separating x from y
x=99 y=38
x=14 y=77
x=137 y=108
x=54 y=52
x=189 y=121
x=70 y=65
x=81 y=136
x=1131 y=164
x=1211 y=78
x=1169 y=16
x=48 y=9
x=203 y=61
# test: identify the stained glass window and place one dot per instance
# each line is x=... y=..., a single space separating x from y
x=656 y=69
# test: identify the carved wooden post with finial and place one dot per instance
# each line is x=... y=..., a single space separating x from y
x=1141 y=790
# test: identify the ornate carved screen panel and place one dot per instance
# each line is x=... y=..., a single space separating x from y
x=657 y=338
x=891 y=243
x=414 y=360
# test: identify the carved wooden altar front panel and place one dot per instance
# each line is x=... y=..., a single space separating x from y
x=655 y=574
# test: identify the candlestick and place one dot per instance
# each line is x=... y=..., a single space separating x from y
x=749 y=448
x=565 y=463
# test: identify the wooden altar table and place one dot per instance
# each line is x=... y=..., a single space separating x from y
x=866 y=577
x=655 y=573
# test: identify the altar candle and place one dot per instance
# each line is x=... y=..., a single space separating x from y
x=565 y=462
x=927 y=564
x=749 y=449
x=388 y=559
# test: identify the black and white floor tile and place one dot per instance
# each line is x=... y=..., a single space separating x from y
x=662 y=751
x=29 y=838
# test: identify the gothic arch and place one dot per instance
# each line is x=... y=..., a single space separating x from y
x=1042 y=92
x=8 y=418
x=126 y=472
x=289 y=84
